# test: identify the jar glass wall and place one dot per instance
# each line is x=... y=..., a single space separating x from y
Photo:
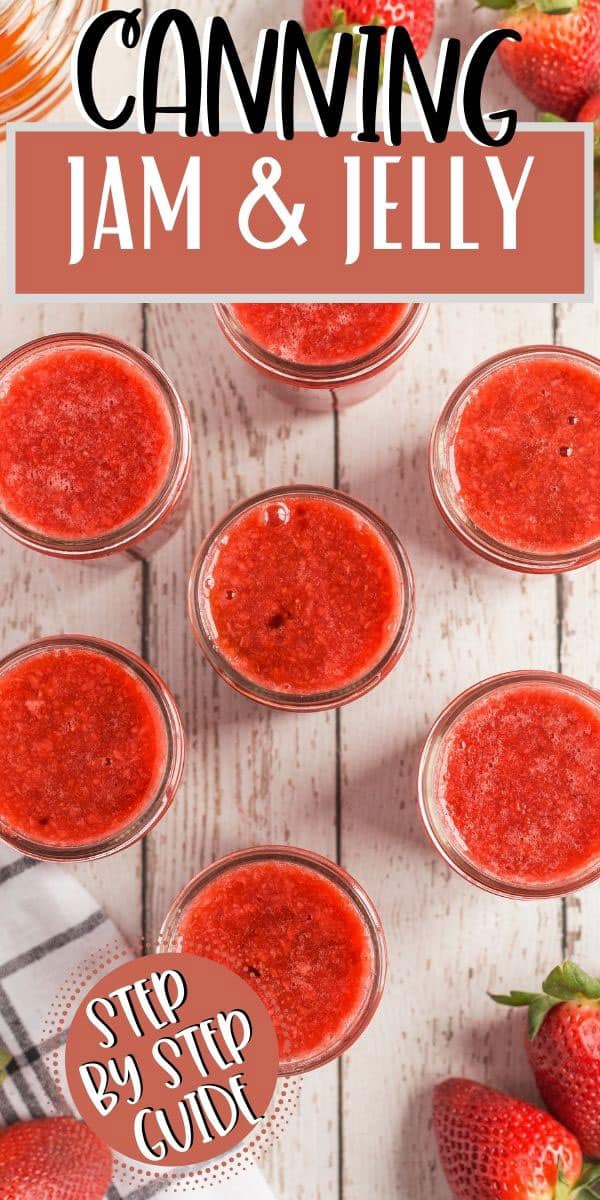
x=95 y=448
x=93 y=748
x=513 y=459
x=316 y=592
x=274 y=871
x=508 y=784
x=36 y=40
x=310 y=384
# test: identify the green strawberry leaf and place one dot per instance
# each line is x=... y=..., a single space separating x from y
x=588 y=1184
x=5 y=1058
x=538 y=1011
x=539 y=1006
x=320 y=41
x=558 y=8
x=554 y=8
x=496 y=4
x=548 y=116
x=568 y=982
x=515 y=999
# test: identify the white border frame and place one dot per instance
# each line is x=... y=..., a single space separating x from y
x=14 y=297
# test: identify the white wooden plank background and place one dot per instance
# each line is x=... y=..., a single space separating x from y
x=342 y=784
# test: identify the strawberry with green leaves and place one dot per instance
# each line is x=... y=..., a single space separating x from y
x=54 y=1158
x=564 y=1049
x=495 y=1147
x=557 y=62
x=321 y=19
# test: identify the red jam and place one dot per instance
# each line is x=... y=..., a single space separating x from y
x=320 y=334
x=82 y=747
x=85 y=442
x=519 y=784
x=527 y=455
x=296 y=938
x=303 y=595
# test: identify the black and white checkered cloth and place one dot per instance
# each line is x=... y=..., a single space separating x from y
x=41 y=946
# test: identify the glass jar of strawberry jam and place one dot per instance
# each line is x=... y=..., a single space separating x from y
x=91 y=745
x=515 y=459
x=95 y=447
x=305 y=352
x=36 y=40
x=509 y=784
x=302 y=932
x=302 y=598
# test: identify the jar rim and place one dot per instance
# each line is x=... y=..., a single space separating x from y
x=444 y=490
x=352 y=890
x=166 y=706
x=157 y=510
x=67 y=21
x=334 y=375
x=429 y=808
x=295 y=701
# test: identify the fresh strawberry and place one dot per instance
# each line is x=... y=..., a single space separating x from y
x=557 y=63
x=56 y=1158
x=590 y=111
x=564 y=1049
x=494 y=1147
x=321 y=19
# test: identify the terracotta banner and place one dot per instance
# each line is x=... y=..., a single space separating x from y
x=128 y=215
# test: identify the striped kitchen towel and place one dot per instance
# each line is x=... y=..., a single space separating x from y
x=41 y=946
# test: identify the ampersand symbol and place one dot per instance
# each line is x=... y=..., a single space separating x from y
x=266 y=173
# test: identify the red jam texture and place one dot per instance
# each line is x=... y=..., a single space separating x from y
x=82 y=747
x=527 y=455
x=85 y=442
x=320 y=334
x=296 y=938
x=304 y=596
x=519 y=784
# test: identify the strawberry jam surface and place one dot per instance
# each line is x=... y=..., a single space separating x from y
x=303 y=595
x=296 y=938
x=527 y=455
x=85 y=442
x=82 y=747
x=320 y=334
x=518 y=782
